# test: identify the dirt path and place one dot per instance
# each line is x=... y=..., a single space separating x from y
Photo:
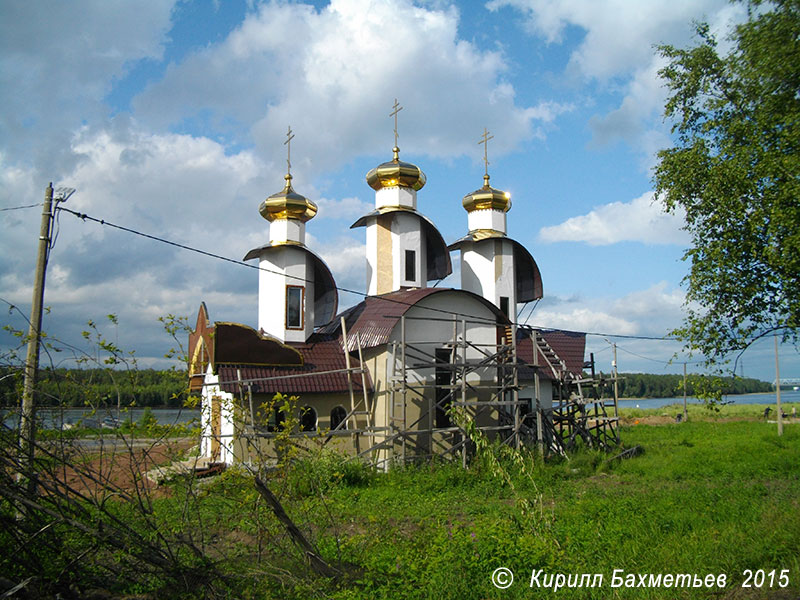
x=115 y=465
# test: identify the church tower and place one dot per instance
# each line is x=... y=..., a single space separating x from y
x=296 y=290
x=404 y=248
x=493 y=265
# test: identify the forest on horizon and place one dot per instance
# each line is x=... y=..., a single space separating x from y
x=168 y=388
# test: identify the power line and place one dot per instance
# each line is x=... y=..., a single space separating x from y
x=655 y=360
x=86 y=217
x=20 y=207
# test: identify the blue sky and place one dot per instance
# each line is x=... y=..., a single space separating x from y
x=169 y=117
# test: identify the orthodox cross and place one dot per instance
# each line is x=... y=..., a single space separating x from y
x=485 y=142
x=397 y=108
x=288 y=144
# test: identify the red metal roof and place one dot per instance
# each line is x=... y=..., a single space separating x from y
x=320 y=354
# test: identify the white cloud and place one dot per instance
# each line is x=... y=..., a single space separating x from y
x=618 y=52
x=641 y=220
x=58 y=61
x=344 y=208
x=333 y=74
x=346 y=258
x=650 y=312
x=584 y=319
x=645 y=98
x=619 y=34
x=178 y=187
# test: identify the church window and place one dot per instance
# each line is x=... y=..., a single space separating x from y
x=411 y=265
x=308 y=419
x=338 y=415
x=504 y=306
x=294 y=306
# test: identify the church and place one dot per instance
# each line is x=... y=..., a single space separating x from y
x=409 y=371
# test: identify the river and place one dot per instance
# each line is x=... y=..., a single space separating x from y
x=56 y=418
x=787 y=396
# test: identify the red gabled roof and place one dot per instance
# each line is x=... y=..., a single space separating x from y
x=321 y=353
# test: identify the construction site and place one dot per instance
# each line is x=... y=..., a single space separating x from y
x=440 y=398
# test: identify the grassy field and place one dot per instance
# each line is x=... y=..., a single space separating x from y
x=717 y=495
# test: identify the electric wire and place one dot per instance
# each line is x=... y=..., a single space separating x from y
x=86 y=217
x=20 y=207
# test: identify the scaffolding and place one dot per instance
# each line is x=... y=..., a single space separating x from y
x=440 y=394
x=451 y=389
x=451 y=393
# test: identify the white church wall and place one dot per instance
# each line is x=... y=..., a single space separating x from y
x=270 y=283
x=299 y=272
x=528 y=391
x=477 y=270
x=505 y=283
x=281 y=267
x=407 y=235
x=429 y=326
x=372 y=259
x=487 y=269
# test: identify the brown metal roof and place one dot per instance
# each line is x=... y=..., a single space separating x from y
x=235 y=343
x=570 y=347
x=374 y=319
x=321 y=353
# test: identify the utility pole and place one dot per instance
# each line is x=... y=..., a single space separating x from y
x=616 y=388
x=778 y=388
x=27 y=422
x=685 y=412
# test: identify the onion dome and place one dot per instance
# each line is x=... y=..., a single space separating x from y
x=396 y=173
x=487 y=198
x=287 y=204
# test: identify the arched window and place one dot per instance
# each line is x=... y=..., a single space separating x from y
x=276 y=420
x=338 y=415
x=308 y=419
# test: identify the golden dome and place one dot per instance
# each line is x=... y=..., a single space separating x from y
x=487 y=198
x=287 y=204
x=396 y=173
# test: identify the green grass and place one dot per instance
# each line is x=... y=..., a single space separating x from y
x=719 y=494
x=709 y=496
x=702 y=412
